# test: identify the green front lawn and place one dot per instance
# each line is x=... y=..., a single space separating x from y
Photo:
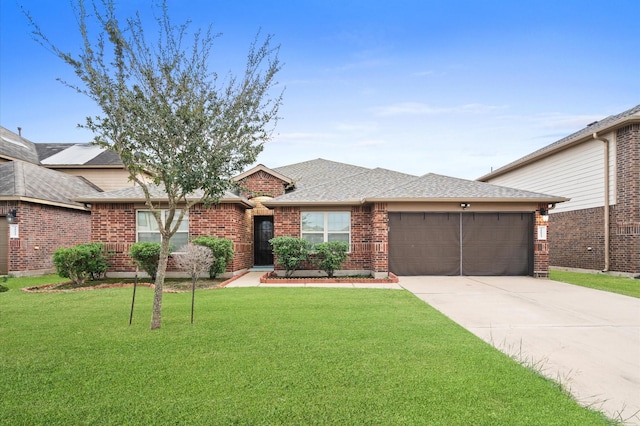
x=621 y=285
x=259 y=356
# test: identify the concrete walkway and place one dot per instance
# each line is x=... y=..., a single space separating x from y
x=588 y=340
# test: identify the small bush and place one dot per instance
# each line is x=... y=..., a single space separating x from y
x=330 y=256
x=290 y=252
x=81 y=262
x=147 y=255
x=222 y=249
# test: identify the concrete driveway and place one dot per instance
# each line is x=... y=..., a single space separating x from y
x=588 y=340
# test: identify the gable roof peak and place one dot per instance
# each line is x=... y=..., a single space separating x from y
x=262 y=168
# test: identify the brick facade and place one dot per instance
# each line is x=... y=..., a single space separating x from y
x=115 y=225
x=541 y=248
x=579 y=238
x=625 y=215
x=43 y=229
x=261 y=184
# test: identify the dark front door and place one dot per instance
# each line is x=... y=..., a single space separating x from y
x=262 y=233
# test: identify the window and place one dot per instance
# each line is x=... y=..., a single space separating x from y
x=147 y=228
x=320 y=227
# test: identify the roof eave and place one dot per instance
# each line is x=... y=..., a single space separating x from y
x=276 y=203
x=46 y=202
x=83 y=166
x=102 y=200
x=561 y=147
x=467 y=199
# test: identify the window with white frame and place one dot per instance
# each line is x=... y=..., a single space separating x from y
x=320 y=227
x=147 y=228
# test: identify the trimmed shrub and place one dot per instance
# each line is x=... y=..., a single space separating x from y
x=330 y=256
x=222 y=249
x=83 y=261
x=147 y=255
x=290 y=253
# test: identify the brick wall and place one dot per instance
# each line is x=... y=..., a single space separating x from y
x=625 y=214
x=364 y=237
x=262 y=183
x=578 y=238
x=541 y=248
x=43 y=229
x=115 y=225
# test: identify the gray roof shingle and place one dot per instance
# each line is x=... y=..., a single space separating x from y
x=135 y=193
x=14 y=146
x=438 y=187
x=328 y=182
x=21 y=179
x=318 y=172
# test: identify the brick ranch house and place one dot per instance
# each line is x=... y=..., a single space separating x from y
x=393 y=222
x=37 y=184
x=38 y=216
x=598 y=167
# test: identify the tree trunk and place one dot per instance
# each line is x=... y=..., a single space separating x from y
x=156 y=315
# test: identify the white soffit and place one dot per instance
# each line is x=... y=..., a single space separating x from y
x=76 y=154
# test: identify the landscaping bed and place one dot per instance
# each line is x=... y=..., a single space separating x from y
x=273 y=278
x=171 y=285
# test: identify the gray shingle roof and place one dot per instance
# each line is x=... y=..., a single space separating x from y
x=136 y=194
x=352 y=188
x=318 y=172
x=328 y=182
x=587 y=132
x=19 y=179
x=16 y=147
x=437 y=187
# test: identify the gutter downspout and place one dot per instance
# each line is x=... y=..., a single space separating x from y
x=606 y=199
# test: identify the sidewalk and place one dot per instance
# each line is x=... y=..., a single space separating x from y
x=252 y=279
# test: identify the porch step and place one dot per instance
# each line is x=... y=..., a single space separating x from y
x=261 y=268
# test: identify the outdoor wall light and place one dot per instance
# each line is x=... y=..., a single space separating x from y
x=544 y=213
x=12 y=215
x=465 y=205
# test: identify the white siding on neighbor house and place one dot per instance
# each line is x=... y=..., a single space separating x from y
x=576 y=173
x=105 y=179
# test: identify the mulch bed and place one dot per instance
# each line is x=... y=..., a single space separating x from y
x=272 y=278
x=169 y=286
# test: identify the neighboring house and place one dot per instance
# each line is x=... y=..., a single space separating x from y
x=393 y=222
x=100 y=166
x=598 y=168
x=37 y=214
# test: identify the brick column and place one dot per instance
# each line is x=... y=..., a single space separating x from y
x=380 y=240
x=540 y=246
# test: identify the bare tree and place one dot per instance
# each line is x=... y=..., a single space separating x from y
x=195 y=260
x=181 y=132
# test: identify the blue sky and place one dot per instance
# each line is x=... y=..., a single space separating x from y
x=452 y=87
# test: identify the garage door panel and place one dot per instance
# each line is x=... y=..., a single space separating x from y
x=496 y=243
x=424 y=243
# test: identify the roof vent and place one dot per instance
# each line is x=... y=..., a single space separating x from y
x=591 y=124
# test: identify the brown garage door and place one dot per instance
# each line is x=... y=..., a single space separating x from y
x=461 y=243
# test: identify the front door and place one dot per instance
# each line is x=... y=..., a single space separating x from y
x=262 y=233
